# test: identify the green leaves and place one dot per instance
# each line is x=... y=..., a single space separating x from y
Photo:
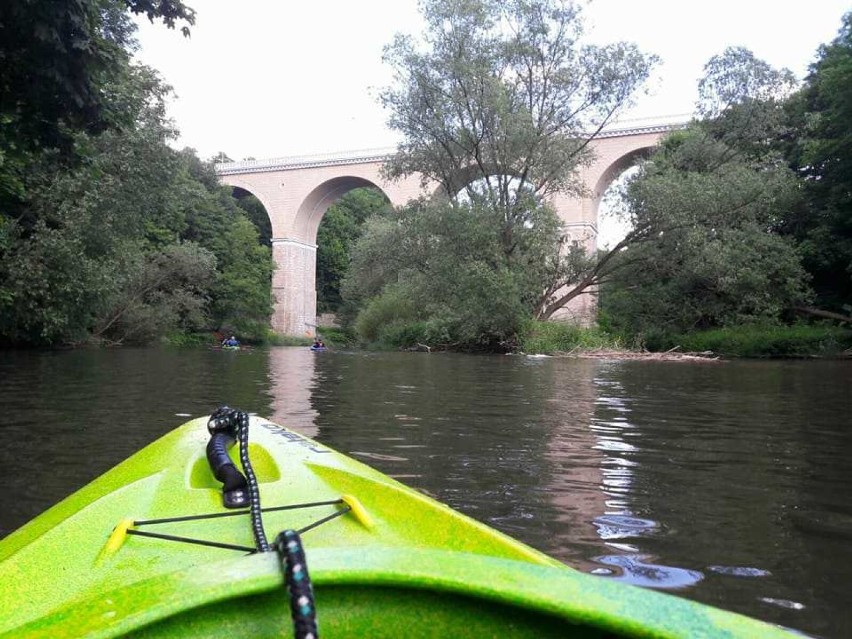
x=497 y=106
x=504 y=88
x=446 y=267
x=704 y=252
x=340 y=228
x=820 y=152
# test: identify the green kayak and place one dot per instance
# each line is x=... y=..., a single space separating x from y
x=150 y=549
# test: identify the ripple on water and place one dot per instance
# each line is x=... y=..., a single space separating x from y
x=782 y=603
x=739 y=571
x=624 y=526
x=378 y=456
x=636 y=570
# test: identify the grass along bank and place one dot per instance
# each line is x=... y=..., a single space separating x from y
x=752 y=341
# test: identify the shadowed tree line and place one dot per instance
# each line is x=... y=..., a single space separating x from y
x=107 y=234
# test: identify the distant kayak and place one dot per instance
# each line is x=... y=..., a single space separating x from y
x=173 y=543
x=318 y=348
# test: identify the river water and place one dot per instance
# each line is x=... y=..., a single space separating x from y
x=724 y=482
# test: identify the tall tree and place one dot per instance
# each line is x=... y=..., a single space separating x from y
x=498 y=106
x=740 y=102
x=56 y=62
x=708 y=255
x=703 y=250
x=241 y=295
x=821 y=152
x=339 y=230
x=88 y=232
x=436 y=272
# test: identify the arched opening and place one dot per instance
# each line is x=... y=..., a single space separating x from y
x=612 y=219
x=254 y=210
x=613 y=224
x=340 y=228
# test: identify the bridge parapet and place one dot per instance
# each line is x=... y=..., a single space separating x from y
x=639 y=126
x=642 y=126
x=304 y=161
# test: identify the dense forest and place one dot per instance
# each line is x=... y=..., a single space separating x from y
x=742 y=221
x=109 y=235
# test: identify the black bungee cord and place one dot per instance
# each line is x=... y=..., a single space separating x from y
x=228 y=424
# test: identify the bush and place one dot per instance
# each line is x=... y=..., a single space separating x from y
x=799 y=340
x=390 y=307
x=184 y=340
x=560 y=337
x=400 y=334
x=337 y=337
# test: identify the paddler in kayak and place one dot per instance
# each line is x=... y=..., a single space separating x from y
x=231 y=342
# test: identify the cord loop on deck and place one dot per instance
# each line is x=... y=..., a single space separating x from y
x=288 y=545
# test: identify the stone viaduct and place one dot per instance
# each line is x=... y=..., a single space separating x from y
x=297 y=191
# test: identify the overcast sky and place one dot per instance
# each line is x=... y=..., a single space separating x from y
x=274 y=78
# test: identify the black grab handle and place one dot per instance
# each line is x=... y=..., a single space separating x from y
x=234 y=485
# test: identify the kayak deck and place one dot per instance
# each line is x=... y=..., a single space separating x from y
x=384 y=560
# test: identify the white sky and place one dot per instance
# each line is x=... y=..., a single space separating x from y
x=273 y=78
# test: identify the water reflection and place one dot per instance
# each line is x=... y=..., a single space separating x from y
x=739 y=571
x=293 y=379
x=611 y=426
x=730 y=482
x=637 y=570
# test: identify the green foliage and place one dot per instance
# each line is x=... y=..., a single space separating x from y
x=496 y=106
x=257 y=215
x=560 y=337
x=770 y=340
x=392 y=306
x=276 y=339
x=61 y=62
x=504 y=88
x=242 y=295
x=736 y=84
x=339 y=230
x=443 y=266
x=703 y=252
x=337 y=337
x=820 y=152
x=158 y=293
x=132 y=243
x=50 y=287
x=183 y=339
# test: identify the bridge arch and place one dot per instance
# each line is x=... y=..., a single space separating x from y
x=296 y=193
x=617 y=168
x=312 y=209
x=248 y=187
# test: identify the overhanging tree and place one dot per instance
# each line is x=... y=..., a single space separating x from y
x=740 y=106
x=498 y=107
x=703 y=250
x=57 y=62
x=821 y=152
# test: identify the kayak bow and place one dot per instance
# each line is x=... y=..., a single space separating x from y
x=149 y=550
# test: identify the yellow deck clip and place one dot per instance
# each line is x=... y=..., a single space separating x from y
x=116 y=539
x=358 y=511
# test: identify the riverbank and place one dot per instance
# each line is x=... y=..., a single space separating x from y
x=558 y=339
x=616 y=354
x=752 y=341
